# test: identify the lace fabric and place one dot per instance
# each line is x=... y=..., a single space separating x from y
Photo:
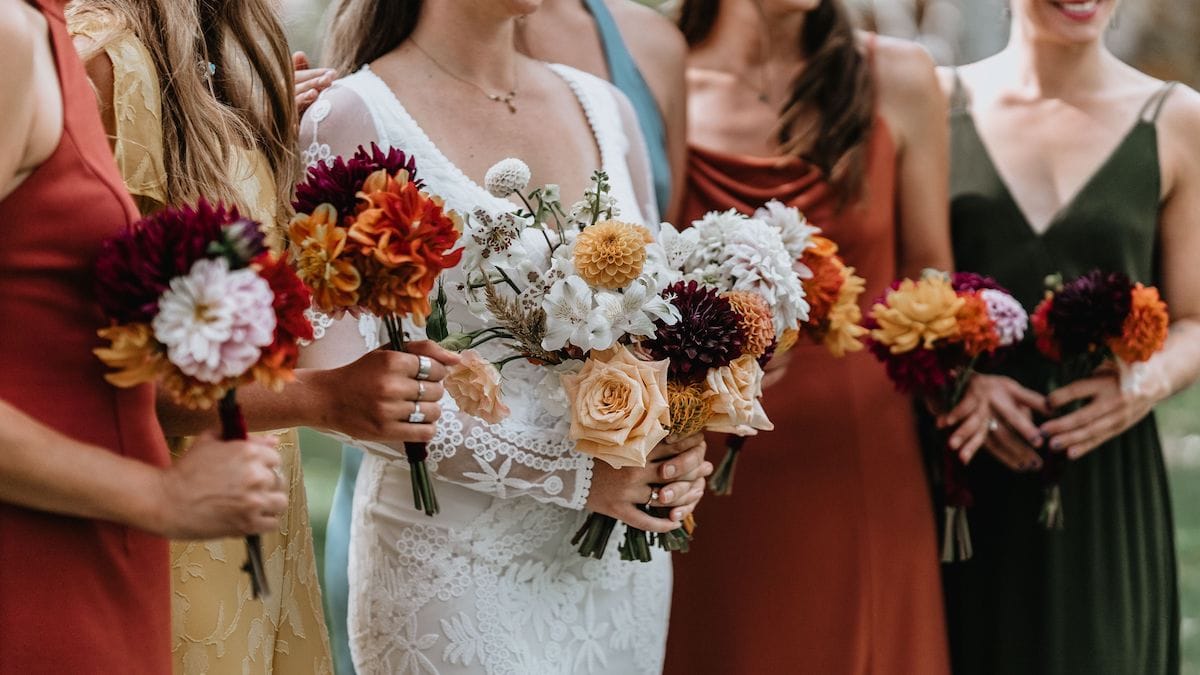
x=491 y=584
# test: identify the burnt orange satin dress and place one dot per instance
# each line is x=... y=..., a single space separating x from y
x=823 y=560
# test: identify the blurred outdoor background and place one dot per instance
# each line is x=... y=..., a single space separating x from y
x=1158 y=36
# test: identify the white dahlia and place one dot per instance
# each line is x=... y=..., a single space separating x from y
x=506 y=177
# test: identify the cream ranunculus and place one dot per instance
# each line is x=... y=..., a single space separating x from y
x=619 y=408
x=474 y=384
x=734 y=392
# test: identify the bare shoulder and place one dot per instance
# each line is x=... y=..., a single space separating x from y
x=20 y=24
x=651 y=35
x=1180 y=117
x=903 y=70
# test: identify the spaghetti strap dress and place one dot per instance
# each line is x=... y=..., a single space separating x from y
x=824 y=558
x=76 y=595
x=1099 y=596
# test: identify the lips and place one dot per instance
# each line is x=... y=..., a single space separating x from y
x=1079 y=11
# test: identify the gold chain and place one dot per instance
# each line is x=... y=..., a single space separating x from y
x=506 y=98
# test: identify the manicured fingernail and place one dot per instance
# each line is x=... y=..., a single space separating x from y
x=1036 y=441
x=954 y=443
x=677 y=516
x=667 y=495
x=669 y=470
x=1056 y=444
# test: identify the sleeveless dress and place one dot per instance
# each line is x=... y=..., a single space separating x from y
x=76 y=595
x=1100 y=596
x=219 y=628
x=823 y=560
x=491 y=584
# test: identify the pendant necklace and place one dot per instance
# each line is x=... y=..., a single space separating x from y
x=506 y=98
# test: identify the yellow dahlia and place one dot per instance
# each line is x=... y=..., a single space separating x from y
x=788 y=340
x=610 y=254
x=756 y=323
x=690 y=409
x=134 y=353
x=918 y=313
x=845 y=331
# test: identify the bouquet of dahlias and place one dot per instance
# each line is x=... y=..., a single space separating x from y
x=367 y=238
x=576 y=291
x=931 y=334
x=1098 y=318
x=740 y=295
x=198 y=303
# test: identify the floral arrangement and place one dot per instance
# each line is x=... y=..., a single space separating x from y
x=931 y=334
x=740 y=296
x=367 y=238
x=577 y=291
x=1098 y=318
x=197 y=303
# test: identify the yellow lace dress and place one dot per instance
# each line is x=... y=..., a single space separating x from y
x=218 y=628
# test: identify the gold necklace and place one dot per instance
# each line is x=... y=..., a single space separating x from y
x=506 y=98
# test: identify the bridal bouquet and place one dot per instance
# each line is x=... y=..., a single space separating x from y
x=367 y=238
x=197 y=302
x=739 y=296
x=1081 y=325
x=576 y=291
x=931 y=334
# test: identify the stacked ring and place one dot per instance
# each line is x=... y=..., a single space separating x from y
x=424 y=366
x=417 y=417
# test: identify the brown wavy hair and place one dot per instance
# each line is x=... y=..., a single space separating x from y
x=361 y=31
x=836 y=85
x=248 y=103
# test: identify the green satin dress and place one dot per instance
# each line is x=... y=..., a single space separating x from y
x=1098 y=597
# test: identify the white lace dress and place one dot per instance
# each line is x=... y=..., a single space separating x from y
x=492 y=584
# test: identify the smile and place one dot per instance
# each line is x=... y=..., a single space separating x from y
x=1079 y=11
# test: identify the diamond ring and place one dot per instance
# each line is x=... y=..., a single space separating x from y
x=993 y=426
x=653 y=496
x=424 y=365
x=417 y=416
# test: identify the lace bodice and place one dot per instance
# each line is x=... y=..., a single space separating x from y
x=528 y=453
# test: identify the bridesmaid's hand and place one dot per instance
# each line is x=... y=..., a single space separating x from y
x=1109 y=412
x=371 y=399
x=310 y=82
x=776 y=369
x=222 y=489
x=996 y=413
x=677 y=470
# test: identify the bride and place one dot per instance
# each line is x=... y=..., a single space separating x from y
x=492 y=584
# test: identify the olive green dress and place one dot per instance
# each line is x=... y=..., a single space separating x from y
x=1098 y=597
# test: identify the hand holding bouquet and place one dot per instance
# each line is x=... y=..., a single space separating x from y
x=367 y=238
x=931 y=334
x=198 y=303
x=1082 y=325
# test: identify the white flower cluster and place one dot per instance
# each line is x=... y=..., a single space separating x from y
x=215 y=322
x=529 y=258
x=733 y=252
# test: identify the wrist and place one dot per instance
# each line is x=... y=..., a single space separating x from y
x=150 y=503
x=311 y=399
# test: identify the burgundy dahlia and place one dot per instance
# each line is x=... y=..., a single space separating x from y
x=338 y=181
x=970 y=281
x=136 y=266
x=1090 y=310
x=707 y=335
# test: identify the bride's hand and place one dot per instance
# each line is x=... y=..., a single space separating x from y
x=676 y=470
x=996 y=413
x=372 y=398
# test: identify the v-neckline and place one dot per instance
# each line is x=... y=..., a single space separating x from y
x=1068 y=205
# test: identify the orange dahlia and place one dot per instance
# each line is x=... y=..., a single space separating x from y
x=134 y=353
x=822 y=289
x=756 y=322
x=1145 y=329
x=975 y=329
x=322 y=260
x=611 y=254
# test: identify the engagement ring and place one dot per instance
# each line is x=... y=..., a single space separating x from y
x=993 y=425
x=653 y=496
x=417 y=416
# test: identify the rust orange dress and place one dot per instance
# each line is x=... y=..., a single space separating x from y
x=823 y=561
x=76 y=596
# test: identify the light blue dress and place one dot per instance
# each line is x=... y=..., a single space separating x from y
x=626 y=77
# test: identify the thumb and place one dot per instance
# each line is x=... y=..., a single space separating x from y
x=299 y=61
x=434 y=351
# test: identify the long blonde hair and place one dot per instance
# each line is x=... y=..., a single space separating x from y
x=247 y=103
x=360 y=31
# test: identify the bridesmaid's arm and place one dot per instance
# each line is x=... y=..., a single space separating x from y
x=1113 y=408
x=917 y=114
x=24 y=143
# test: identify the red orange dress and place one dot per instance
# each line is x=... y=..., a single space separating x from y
x=823 y=560
x=76 y=596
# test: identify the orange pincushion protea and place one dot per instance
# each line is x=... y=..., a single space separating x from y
x=975 y=328
x=1145 y=329
x=756 y=323
x=320 y=263
x=690 y=409
x=611 y=254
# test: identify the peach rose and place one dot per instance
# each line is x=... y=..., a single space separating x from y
x=474 y=384
x=619 y=408
x=734 y=392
